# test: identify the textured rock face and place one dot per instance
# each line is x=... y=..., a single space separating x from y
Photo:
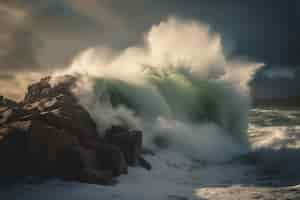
x=50 y=134
x=130 y=142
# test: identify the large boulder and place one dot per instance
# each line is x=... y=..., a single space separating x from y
x=129 y=142
x=47 y=89
x=109 y=157
x=49 y=134
x=13 y=154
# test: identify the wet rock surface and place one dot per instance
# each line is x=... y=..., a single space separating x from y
x=49 y=134
x=130 y=142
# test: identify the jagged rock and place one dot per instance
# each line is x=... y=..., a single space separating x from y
x=50 y=134
x=36 y=143
x=110 y=157
x=7 y=109
x=70 y=162
x=13 y=154
x=37 y=91
x=95 y=177
x=45 y=145
x=130 y=142
x=144 y=163
x=4 y=102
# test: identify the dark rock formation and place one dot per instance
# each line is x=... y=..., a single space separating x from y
x=49 y=134
x=144 y=163
x=130 y=142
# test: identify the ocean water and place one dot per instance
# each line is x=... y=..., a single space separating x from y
x=269 y=170
x=193 y=107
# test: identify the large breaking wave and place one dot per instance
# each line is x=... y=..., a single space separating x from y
x=177 y=86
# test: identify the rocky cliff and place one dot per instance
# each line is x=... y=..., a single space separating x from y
x=49 y=134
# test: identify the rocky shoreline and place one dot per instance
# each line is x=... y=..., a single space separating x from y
x=49 y=134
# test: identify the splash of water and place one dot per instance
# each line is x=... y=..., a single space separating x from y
x=178 y=87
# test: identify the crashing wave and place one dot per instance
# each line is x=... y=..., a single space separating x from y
x=177 y=87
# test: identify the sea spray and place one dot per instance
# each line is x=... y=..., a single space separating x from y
x=178 y=87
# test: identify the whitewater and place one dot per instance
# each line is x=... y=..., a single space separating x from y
x=193 y=105
x=177 y=86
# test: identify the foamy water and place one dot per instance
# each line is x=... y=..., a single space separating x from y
x=175 y=177
x=193 y=107
x=184 y=92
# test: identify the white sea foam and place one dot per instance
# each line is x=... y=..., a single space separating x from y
x=178 y=87
x=179 y=76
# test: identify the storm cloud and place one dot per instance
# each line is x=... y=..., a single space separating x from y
x=46 y=34
x=40 y=36
x=16 y=38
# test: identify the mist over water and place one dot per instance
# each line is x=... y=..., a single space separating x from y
x=178 y=87
x=192 y=105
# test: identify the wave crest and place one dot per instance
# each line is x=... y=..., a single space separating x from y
x=178 y=86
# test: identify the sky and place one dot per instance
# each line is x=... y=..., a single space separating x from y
x=44 y=35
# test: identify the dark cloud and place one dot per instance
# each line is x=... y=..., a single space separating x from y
x=16 y=38
x=43 y=35
x=51 y=32
x=261 y=30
